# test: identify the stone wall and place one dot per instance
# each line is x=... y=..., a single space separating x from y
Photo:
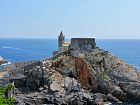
x=16 y=65
x=30 y=76
x=81 y=45
x=32 y=65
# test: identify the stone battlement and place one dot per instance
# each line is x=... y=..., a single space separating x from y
x=81 y=45
x=83 y=41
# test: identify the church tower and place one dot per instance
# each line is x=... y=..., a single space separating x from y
x=61 y=40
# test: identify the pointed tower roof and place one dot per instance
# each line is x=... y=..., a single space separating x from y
x=61 y=33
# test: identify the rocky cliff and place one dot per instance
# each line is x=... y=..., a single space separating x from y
x=77 y=77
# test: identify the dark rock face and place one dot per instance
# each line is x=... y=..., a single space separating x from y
x=132 y=89
x=114 y=76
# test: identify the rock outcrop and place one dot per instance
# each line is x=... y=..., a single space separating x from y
x=2 y=61
x=77 y=77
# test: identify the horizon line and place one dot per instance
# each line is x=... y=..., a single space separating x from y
x=70 y=38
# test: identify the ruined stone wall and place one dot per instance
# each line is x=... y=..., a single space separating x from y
x=20 y=67
x=81 y=45
x=17 y=65
x=21 y=64
x=32 y=65
x=29 y=77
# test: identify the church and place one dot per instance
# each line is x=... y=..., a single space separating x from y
x=76 y=44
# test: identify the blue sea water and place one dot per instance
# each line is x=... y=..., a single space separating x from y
x=35 y=49
x=27 y=49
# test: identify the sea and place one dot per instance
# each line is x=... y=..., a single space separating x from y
x=14 y=50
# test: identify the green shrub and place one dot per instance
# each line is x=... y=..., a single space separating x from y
x=6 y=100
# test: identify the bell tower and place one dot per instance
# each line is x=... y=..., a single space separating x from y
x=61 y=40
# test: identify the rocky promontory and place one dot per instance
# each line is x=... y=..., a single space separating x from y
x=2 y=61
x=81 y=75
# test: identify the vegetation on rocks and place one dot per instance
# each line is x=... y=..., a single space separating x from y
x=4 y=98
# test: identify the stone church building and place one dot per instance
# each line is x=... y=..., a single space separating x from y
x=76 y=44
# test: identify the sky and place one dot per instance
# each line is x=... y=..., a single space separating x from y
x=105 y=19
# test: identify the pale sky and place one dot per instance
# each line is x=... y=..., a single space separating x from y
x=105 y=19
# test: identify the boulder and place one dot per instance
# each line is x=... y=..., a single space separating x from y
x=99 y=98
x=132 y=90
x=71 y=85
x=111 y=98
